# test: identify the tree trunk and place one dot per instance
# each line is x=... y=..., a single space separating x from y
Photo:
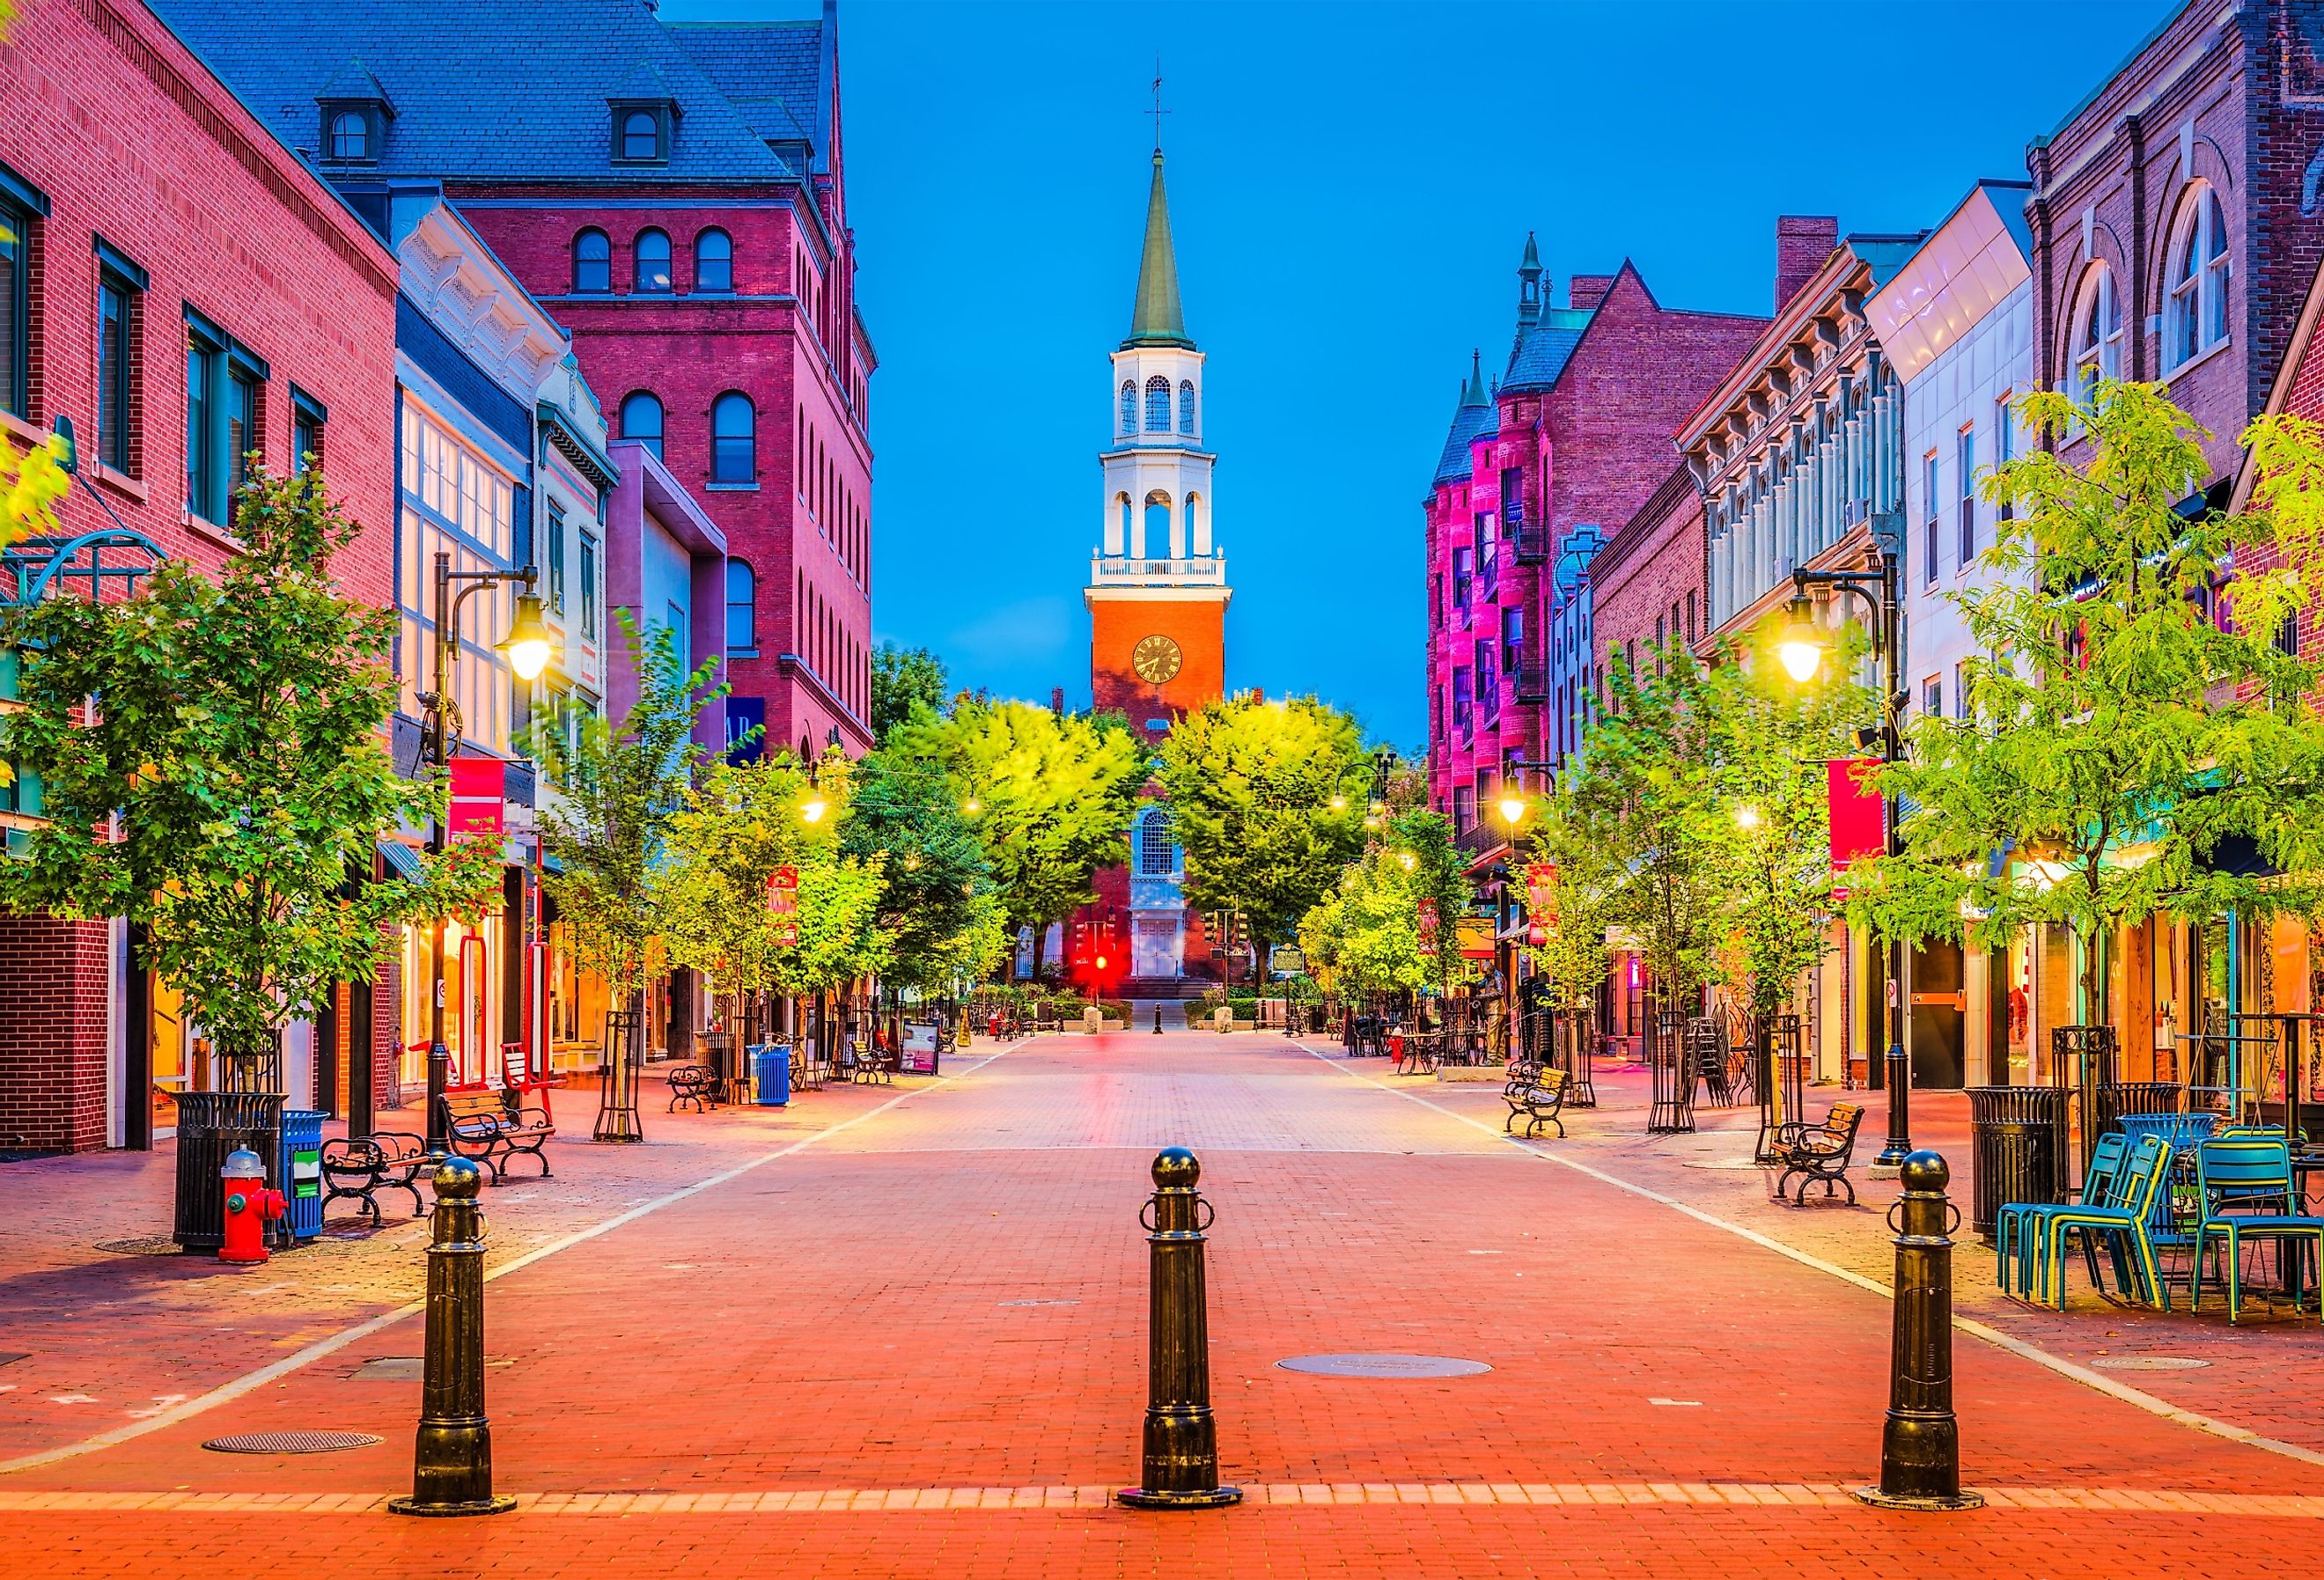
x=1040 y=946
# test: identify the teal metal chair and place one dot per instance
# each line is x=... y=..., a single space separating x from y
x=2123 y=1221
x=2237 y=1181
x=2020 y=1233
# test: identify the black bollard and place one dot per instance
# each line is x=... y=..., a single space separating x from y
x=452 y=1458
x=1920 y=1445
x=1181 y=1467
x=1158 y=1020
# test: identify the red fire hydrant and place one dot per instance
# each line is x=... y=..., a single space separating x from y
x=250 y=1206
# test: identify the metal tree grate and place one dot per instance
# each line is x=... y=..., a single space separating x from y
x=290 y=1443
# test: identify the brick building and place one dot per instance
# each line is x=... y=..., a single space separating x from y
x=2178 y=214
x=1575 y=434
x=175 y=282
x=674 y=195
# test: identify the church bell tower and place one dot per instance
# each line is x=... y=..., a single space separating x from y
x=1157 y=589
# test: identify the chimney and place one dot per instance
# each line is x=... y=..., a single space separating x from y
x=1587 y=290
x=1802 y=243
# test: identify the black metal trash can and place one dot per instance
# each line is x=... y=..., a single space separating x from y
x=2135 y=1098
x=2019 y=1144
x=210 y=1124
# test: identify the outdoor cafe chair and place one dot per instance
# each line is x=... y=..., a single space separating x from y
x=2237 y=1181
x=2021 y=1230
x=2150 y=1163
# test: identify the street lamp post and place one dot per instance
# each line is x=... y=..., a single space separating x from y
x=527 y=646
x=1800 y=652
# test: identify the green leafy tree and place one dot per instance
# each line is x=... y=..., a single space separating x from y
x=236 y=774
x=940 y=905
x=733 y=827
x=1051 y=796
x=2116 y=732
x=839 y=937
x=1367 y=933
x=619 y=788
x=1268 y=799
x=903 y=679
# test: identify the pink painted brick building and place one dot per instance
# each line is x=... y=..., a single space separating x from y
x=1576 y=433
x=152 y=229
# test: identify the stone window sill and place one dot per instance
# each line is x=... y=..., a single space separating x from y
x=730 y=487
x=121 y=483
x=209 y=531
x=2199 y=359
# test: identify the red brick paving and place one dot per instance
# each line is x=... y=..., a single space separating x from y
x=855 y=1316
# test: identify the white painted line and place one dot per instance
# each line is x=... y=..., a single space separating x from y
x=224 y=1392
x=1690 y=1404
x=2102 y=1384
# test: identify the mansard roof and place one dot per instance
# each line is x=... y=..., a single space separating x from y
x=507 y=90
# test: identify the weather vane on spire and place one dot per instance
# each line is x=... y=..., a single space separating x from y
x=1159 y=111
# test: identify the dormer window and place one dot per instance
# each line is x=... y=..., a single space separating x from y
x=644 y=119
x=356 y=110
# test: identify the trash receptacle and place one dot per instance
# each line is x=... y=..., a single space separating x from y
x=2135 y=1098
x=300 y=1170
x=773 y=1063
x=2019 y=1144
x=210 y=1124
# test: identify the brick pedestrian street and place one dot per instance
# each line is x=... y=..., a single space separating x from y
x=900 y=1331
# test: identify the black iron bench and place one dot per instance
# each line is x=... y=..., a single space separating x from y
x=1818 y=1152
x=692 y=1082
x=1540 y=1097
x=484 y=1125
x=359 y=1167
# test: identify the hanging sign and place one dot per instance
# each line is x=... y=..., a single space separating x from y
x=479 y=790
x=1541 y=893
x=1860 y=823
x=782 y=903
x=1428 y=924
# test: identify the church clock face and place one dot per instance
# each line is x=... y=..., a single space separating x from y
x=1156 y=659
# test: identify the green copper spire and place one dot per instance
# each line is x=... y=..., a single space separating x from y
x=1157 y=319
x=1476 y=396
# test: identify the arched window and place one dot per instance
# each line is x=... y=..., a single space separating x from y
x=742 y=607
x=2195 y=314
x=1158 y=404
x=642 y=420
x=1186 y=409
x=350 y=135
x=713 y=261
x=1154 y=855
x=1157 y=525
x=593 y=261
x=2098 y=333
x=1128 y=407
x=653 y=260
x=640 y=137
x=733 y=438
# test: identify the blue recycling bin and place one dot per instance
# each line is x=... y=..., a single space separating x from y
x=301 y=1173
x=773 y=1062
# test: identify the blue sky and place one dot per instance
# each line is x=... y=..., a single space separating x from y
x=1350 y=186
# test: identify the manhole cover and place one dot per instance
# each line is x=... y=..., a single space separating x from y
x=290 y=1443
x=2150 y=1363
x=1383 y=1366
x=391 y=1369
x=150 y=1246
x=1040 y=1302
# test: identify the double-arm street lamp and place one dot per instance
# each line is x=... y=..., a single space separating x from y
x=1801 y=650
x=528 y=647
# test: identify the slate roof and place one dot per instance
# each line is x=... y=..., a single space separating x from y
x=1541 y=351
x=769 y=70
x=1475 y=417
x=509 y=90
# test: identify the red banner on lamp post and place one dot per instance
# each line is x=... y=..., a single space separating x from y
x=1859 y=821
x=1541 y=892
x=479 y=791
x=782 y=903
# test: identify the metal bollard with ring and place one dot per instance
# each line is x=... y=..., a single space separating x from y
x=1920 y=1443
x=1181 y=1464
x=1158 y=1020
x=452 y=1455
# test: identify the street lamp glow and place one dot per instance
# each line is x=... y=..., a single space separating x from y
x=1747 y=816
x=529 y=643
x=1801 y=647
x=971 y=806
x=811 y=811
x=1339 y=803
x=1408 y=859
x=1513 y=809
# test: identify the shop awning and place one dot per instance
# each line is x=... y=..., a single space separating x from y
x=402 y=861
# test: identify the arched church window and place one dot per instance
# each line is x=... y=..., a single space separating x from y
x=1128 y=407
x=1154 y=855
x=1186 y=409
x=1158 y=404
x=1157 y=525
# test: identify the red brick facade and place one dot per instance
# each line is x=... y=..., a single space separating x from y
x=128 y=138
x=1646 y=585
x=2229 y=97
